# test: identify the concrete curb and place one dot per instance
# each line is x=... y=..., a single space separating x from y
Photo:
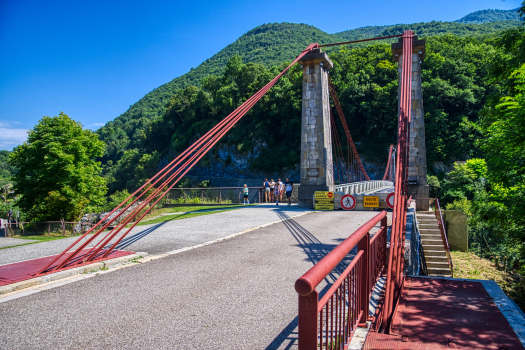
x=111 y=263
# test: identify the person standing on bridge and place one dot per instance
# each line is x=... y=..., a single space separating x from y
x=245 y=192
x=277 y=191
x=272 y=190
x=281 y=188
x=289 y=189
x=266 y=188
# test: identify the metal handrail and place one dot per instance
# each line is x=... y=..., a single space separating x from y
x=346 y=304
x=441 y=225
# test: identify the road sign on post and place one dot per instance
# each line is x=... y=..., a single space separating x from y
x=324 y=200
x=348 y=202
x=371 y=201
x=390 y=200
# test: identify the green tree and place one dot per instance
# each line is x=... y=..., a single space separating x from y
x=57 y=172
x=504 y=144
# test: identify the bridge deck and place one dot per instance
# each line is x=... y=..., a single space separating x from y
x=235 y=294
x=445 y=313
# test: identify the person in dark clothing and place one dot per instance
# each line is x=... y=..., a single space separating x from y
x=289 y=188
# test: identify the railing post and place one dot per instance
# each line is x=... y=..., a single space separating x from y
x=308 y=327
x=364 y=276
x=220 y=196
x=384 y=223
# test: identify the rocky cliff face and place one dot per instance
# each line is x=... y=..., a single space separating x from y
x=229 y=164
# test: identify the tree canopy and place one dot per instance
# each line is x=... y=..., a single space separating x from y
x=58 y=175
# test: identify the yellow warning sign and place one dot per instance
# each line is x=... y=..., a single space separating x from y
x=371 y=201
x=324 y=200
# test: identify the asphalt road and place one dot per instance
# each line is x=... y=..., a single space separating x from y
x=234 y=294
x=167 y=236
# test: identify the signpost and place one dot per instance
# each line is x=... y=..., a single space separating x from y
x=371 y=201
x=348 y=202
x=324 y=200
x=390 y=200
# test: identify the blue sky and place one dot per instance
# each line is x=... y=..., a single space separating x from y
x=93 y=59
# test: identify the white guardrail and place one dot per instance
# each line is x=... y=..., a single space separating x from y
x=363 y=186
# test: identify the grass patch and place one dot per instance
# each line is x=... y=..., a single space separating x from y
x=190 y=212
x=166 y=218
x=156 y=212
x=468 y=265
x=38 y=239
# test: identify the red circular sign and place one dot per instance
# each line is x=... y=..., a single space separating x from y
x=330 y=194
x=390 y=200
x=348 y=202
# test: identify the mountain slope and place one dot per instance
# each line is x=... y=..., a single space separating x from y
x=486 y=16
x=269 y=45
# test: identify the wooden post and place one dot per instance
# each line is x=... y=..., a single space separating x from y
x=220 y=196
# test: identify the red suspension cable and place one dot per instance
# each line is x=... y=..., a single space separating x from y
x=203 y=145
x=347 y=130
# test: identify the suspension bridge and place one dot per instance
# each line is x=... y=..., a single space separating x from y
x=368 y=267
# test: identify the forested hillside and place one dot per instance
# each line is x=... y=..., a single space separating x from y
x=169 y=118
x=269 y=45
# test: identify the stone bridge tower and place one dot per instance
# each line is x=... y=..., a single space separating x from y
x=417 y=161
x=316 y=139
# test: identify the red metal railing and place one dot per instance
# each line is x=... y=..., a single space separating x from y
x=441 y=224
x=395 y=276
x=434 y=202
x=330 y=323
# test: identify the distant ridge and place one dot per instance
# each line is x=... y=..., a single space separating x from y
x=487 y=16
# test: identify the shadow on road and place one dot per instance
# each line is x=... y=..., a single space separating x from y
x=315 y=250
x=126 y=242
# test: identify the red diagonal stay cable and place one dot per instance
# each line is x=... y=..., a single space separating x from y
x=388 y=163
x=234 y=116
x=345 y=126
